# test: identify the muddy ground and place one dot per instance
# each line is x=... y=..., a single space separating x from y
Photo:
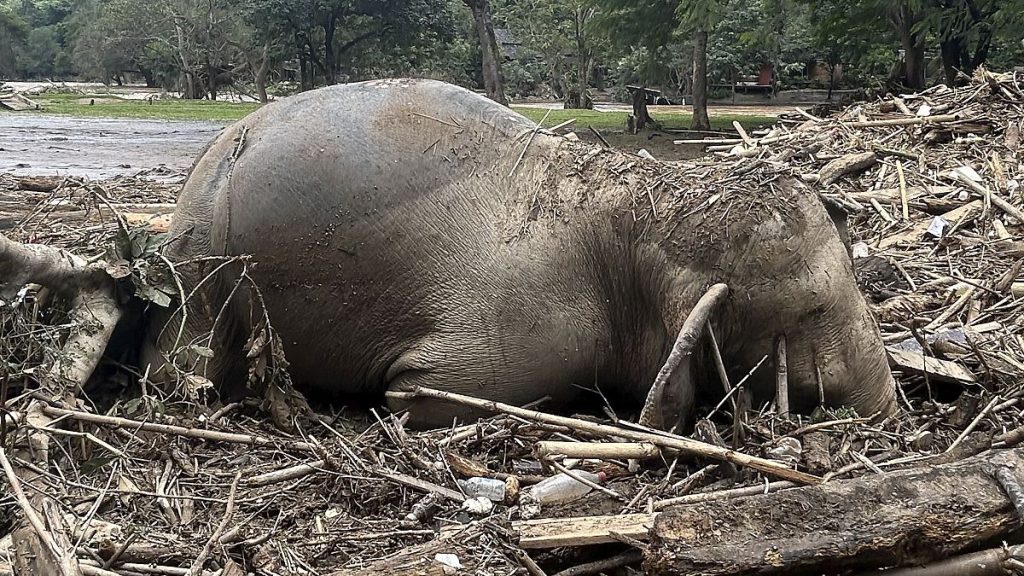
x=99 y=148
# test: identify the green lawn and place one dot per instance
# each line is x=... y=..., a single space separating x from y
x=114 y=107
x=609 y=121
x=111 y=106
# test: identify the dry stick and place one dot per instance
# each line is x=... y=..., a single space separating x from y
x=422 y=485
x=229 y=511
x=30 y=514
x=599 y=137
x=781 y=378
x=201 y=434
x=997 y=200
x=1011 y=486
x=724 y=494
x=286 y=474
x=992 y=562
x=974 y=424
x=618 y=561
x=531 y=566
x=743 y=134
x=548 y=449
x=664 y=439
x=904 y=200
x=682 y=349
x=572 y=474
x=902 y=121
x=533 y=134
x=716 y=353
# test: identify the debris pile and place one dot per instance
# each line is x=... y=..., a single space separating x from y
x=124 y=479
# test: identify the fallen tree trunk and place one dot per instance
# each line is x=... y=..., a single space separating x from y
x=903 y=518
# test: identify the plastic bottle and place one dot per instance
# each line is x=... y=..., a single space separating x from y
x=564 y=488
x=493 y=490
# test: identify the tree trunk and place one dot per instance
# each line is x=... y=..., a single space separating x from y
x=700 y=81
x=260 y=74
x=490 y=57
x=640 y=116
x=330 y=62
x=584 y=57
x=912 y=42
x=211 y=79
x=951 y=63
x=906 y=517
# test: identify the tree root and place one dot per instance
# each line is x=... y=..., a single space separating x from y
x=43 y=546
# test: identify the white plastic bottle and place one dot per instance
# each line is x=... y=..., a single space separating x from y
x=564 y=488
x=493 y=490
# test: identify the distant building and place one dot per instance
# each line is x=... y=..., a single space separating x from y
x=510 y=47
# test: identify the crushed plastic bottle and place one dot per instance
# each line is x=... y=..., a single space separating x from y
x=493 y=490
x=564 y=488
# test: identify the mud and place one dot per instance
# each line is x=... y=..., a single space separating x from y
x=99 y=148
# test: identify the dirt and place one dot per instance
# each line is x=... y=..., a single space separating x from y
x=99 y=148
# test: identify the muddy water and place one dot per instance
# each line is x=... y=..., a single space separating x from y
x=98 y=148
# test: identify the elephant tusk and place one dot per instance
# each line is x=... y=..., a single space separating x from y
x=683 y=348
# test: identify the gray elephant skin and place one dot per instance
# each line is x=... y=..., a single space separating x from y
x=399 y=237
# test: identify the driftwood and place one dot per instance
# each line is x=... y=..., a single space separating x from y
x=936 y=369
x=902 y=518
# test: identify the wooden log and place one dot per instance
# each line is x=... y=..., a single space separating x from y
x=907 y=517
x=849 y=164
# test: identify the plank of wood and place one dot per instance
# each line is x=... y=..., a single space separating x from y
x=581 y=531
x=936 y=369
x=914 y=233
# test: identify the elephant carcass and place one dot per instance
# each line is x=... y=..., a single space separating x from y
x=411 y=233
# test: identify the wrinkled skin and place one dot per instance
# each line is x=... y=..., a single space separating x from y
x=393 y=250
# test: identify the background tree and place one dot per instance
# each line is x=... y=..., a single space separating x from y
x=494 y=83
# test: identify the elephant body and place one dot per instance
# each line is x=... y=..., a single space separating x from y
x=409 y=232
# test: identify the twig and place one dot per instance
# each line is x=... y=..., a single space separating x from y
x=30 y=513
x=974 y=424
x=608 y=564
x=584 y=481
x=529 y=141
x=663 y=439
x=599 y=137
x=211 y=435
x=229 y=511
x=766 y=488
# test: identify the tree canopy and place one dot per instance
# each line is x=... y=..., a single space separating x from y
x=562 y=49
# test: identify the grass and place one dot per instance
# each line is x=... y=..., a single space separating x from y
x=609 y=121
x=112 y=106
x=108 y=106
